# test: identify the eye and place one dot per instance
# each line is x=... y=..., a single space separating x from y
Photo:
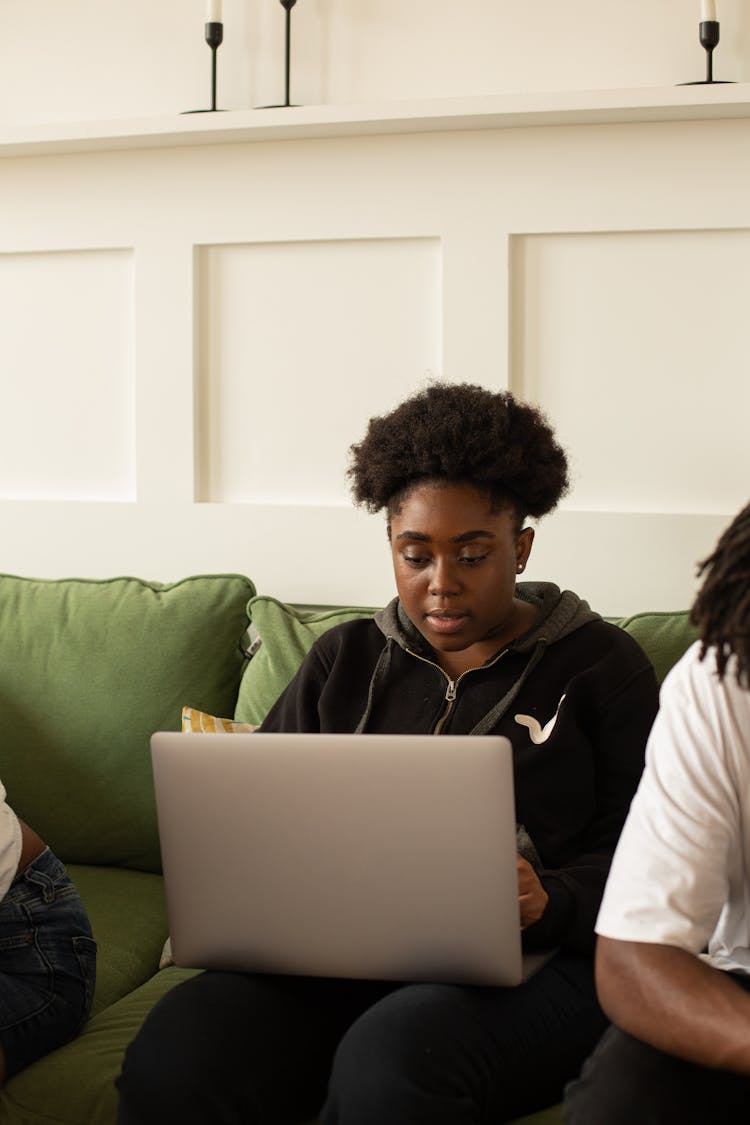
x=472 y=560
x=415 y=561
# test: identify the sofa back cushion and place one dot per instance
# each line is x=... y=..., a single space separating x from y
x=88 y=671
x=663 y=636
x=282 y=635
x=285 y=633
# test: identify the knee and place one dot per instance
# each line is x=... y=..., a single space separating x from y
x=403 y=1048
x=618 y=1083
x=394 y=1033
x=163 y=1055
x=172 y=1070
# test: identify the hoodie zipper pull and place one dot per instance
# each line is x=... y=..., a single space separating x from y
x=450 y=693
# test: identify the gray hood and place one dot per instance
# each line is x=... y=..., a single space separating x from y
x=561 y=613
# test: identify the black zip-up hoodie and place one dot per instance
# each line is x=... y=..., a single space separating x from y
x=575 y=695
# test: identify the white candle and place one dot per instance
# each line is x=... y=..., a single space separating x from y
x=213 y=11
x=708 y=10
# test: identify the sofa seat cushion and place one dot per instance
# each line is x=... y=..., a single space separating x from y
x=129 y=921
x=76 y=1084
x=551 y=1116
x=88 y=671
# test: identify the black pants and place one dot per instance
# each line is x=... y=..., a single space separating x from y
x=234 y=1049
x=625 y=1081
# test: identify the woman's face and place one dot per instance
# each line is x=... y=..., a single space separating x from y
x=456 y=563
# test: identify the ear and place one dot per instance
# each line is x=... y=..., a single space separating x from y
x=524 y=544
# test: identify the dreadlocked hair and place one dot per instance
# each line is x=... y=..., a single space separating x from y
x=721 y=610
x=459 y=433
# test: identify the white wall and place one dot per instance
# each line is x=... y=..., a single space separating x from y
x=86 y=59
x=191 y=334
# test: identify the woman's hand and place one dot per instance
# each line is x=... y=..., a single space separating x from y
x=532 y=897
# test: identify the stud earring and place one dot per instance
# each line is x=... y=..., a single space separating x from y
x=519 y=568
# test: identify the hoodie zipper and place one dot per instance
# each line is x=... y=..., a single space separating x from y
x=452 y=688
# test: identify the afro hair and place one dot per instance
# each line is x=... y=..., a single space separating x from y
x=460 y=433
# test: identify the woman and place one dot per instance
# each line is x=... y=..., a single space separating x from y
x=463 y=648
x=47 y=953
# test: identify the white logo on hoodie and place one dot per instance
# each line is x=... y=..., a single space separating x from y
x=539 y=734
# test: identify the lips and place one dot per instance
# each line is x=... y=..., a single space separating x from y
x=445 y=622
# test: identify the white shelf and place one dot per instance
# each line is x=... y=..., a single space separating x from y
x=508 y=111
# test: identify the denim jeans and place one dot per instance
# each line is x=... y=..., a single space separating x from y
x=47 y=963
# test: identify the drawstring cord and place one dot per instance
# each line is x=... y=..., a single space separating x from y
x=493 y=716
x=379 y=674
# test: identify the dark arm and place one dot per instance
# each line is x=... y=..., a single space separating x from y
x=679 y=1004
x=618 y=733
x=296 y=709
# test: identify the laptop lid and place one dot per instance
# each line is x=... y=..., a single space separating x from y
x=366 y=856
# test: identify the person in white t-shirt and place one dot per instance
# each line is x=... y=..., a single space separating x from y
x=47 y=952
x=673 y=952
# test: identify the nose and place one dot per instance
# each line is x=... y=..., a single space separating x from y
x=444 y=579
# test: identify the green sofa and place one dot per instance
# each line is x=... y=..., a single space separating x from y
x=88 y=670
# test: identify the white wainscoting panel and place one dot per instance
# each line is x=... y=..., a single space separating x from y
x=194 y=333
x=300 y=344
x=67 y=375
x=633 y=342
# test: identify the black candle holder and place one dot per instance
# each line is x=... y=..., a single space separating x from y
x=708 y=33
x=214 y=37
x=287 y=5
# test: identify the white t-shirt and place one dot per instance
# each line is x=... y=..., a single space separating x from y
x=10 y=844
x=681 y=872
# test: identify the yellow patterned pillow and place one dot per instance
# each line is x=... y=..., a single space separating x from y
x=198 y=722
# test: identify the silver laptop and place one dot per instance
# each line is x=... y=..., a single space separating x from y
x=386 y=857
